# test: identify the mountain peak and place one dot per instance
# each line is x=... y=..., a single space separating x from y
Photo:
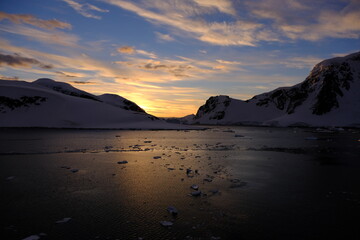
x=328 y=96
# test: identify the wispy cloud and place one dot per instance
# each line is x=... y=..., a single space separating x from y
x=164 y=37
x=309 y=20
x=188 y=17
x=85 y=9
x=132 y=50
x=44 y=36
x=301 y=62
x=82 y=83
x=32 y=20
x=252 y=21
x=224 y=6
x=17 y=60
x=2 y=77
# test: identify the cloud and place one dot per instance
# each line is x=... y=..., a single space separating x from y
x=176 y=70
x=224 y=6
x=2 y=77
x=309 y=20
x=82 y=83
x=16 y=60
x=251 y=21
x=164 y=37
x=71 y=74
x=81 y=64
x=131 y=50
x=65 y=74
x=126 y=49
x=228 y=62
x=146 y=53
x=32 y=20
x=85 y=9
x=187 y=17
x=301 y=62
x=343 y=54
x=48 y=37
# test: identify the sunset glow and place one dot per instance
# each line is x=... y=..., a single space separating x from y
x=170 y=56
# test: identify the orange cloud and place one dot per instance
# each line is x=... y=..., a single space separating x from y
x=131 y=50
x=32 y=20
x=126 y=49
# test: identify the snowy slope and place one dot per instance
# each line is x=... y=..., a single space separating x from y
x=46 y=103
x=182 y=120
x=329 y=96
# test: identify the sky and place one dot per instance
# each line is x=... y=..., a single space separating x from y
x=170 y=56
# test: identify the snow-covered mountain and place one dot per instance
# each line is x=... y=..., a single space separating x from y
x=47 y=103
x=182 y=120
x=329 y=96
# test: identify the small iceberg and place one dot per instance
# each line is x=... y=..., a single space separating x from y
x=172 y=210
x=122 y=162
x=64 y=220
x=207 y=179
x=196 y=194
x=32 y=237
x=195 y=187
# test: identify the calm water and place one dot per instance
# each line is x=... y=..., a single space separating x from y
x=255 y=183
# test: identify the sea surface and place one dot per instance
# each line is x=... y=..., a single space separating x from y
x=254 y=183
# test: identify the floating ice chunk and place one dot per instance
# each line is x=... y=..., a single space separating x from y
x=195 y=187
x=166 y=223
x=172 y=210
x=74 y=170
x=214 y=191
x=32 y=237
x=10 y=178
x=64 y=220
x=235 y=180
x=122 y=162
x=196 y=194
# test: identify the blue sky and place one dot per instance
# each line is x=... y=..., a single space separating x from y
x=169 y=56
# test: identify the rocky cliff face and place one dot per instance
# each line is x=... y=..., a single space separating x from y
x=321 y=97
